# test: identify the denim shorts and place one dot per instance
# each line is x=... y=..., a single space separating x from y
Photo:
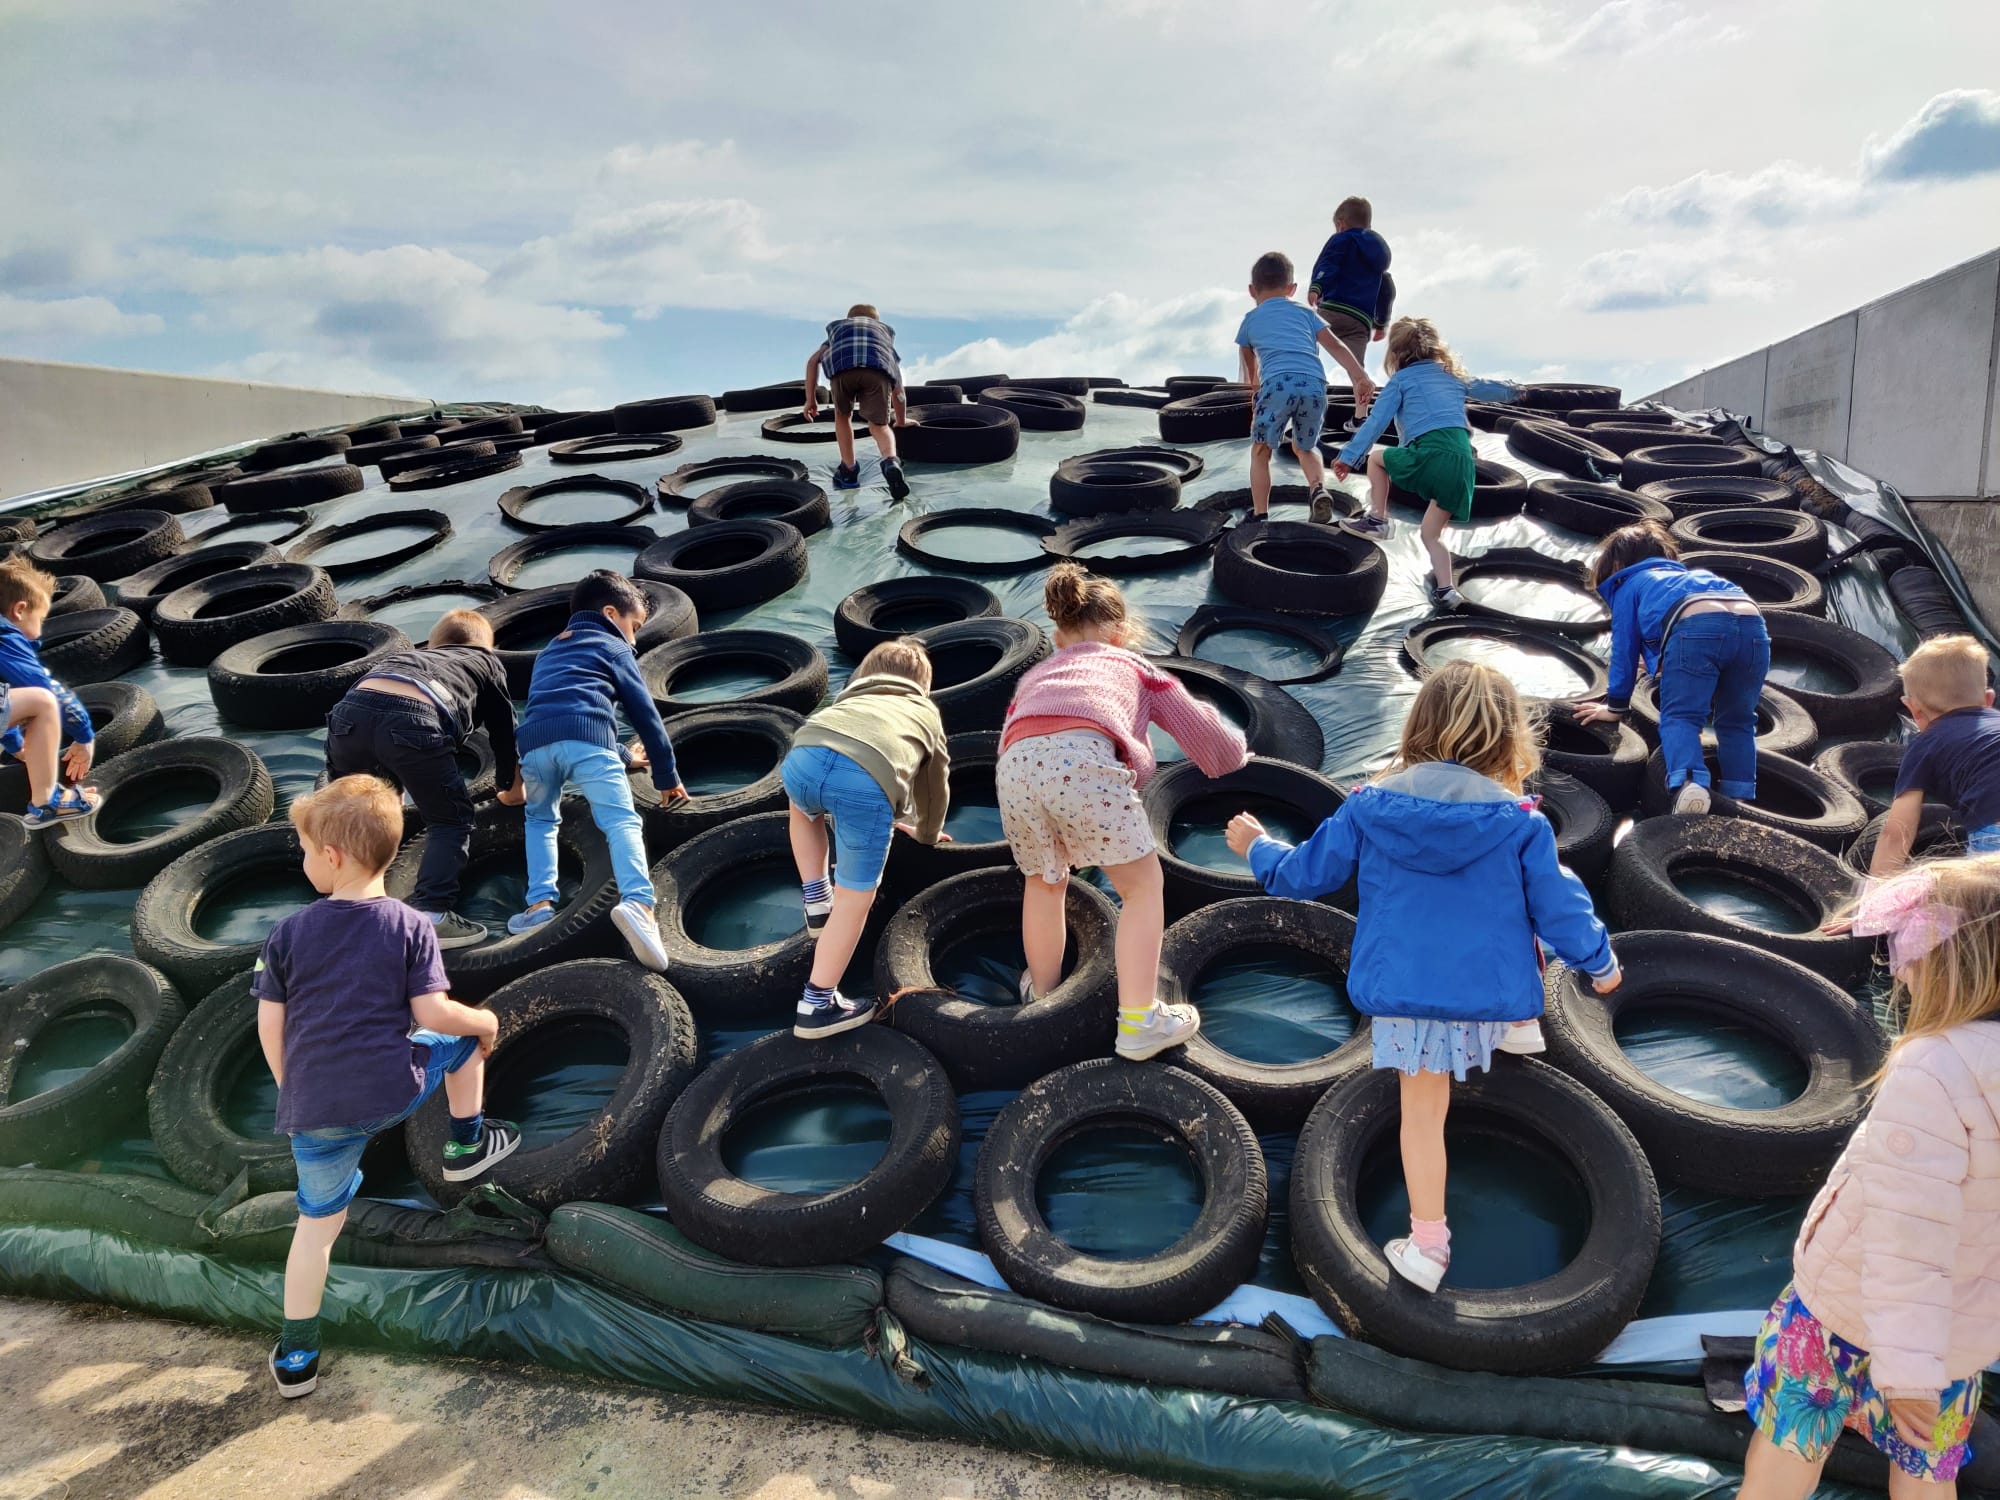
x=822 y=781
x=1984 y=840
x=329 y=1160
x=1296 y=399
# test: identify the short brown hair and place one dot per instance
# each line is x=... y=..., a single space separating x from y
x=462 y=627
x=1631 y=544
x=22 y=582
x=1946 y=672
x=361 y=816
x=903 y=657
x=1272 y=270
x=1471 y=713
x=862 y=310
x=1355 y=213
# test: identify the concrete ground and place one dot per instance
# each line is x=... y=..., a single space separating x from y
x=100 y=1404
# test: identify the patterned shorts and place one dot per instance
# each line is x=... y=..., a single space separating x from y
x=1068 y=802
x=1806 y=1383
x=1296 y=399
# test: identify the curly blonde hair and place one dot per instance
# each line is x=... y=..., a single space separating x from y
x=1469 y=713
x=1413 y=339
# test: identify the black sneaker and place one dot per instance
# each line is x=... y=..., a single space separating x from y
x=498 y=1141
x=454 y=931
x=816 y=914
x=296 y=1374
x=892 y=471
x=847 y=477
x=1444 y=600
x=837 y=1015
x=1322 y=507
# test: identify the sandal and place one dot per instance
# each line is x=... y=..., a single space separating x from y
x=68 y=802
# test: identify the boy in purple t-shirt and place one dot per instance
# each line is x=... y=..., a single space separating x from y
x=358 y=1030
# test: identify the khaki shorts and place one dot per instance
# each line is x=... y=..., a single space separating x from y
x=1067 y=802
x=1350 y=330
x=865 y=390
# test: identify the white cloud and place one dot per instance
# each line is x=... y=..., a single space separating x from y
x=1141 y=342
x=665 y=168
x=1439 y=259
x=675 y=253
x=1624 y=28
x=1660 y=275
x=1956 y=134
x=1533 y=34
x=318 y=371
x=72 y=318
x=1784 y=193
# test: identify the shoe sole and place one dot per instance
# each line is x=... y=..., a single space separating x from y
x=899 y=488
x=470 y=941
x=492 y=1158
x=1147 y=1051
x=1690 y=809
x=1524 y=1049
x=1366 y=536
x=807 y=1035
x=1413 y=1279
x=296 y=1390
x=645 y=947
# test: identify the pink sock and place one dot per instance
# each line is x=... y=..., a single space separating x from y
x=1431 y=1235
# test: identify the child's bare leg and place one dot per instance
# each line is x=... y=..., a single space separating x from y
x=843 y=435
x=809 y=846
x=885 y=439
x=1260 y=478
x=1770 y=1473
x=1044 y=930
x=1142 y=920
x=841 y=936
x=35 y=712
x=1309 y=461
x=1425 y=1098
x=1436 y=518
x=1378 y=486
x=305 y=1266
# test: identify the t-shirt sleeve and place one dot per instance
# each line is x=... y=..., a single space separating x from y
x=1243 y=336
x=1916 y=773
x=427 y=975
x=267 y=980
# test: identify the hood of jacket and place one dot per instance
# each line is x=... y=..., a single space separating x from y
x=1437 y=817
x=880 y=685
x=1611 y=587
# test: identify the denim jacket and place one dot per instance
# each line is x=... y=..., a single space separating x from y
x=1643 y=599
x=1422 y=397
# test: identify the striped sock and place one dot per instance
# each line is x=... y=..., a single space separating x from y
x=816 y=997
x=817 y=892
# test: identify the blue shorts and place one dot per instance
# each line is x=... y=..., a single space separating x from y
x=820 y=781
x=329 y=1160
x=1984 y=840
x=1296 y=399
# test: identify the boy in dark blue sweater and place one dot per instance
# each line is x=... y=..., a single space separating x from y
x=1351 y=288
x=568 y=737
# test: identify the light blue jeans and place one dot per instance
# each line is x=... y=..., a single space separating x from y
x=600 y=776
x=821 y=781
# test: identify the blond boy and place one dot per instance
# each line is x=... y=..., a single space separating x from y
x=1955 y=757
x=37 y=712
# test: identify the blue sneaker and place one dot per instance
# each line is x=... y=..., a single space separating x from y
x=533 y=917
x=847 y=476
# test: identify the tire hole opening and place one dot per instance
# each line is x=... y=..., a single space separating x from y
x=1706 y=1056
x=555 y=1079
x=66 y=1049
x=1118 y=1189
x=1270 y=1003
x=809 y=1140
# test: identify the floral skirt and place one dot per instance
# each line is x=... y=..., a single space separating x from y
x=1453 y=1047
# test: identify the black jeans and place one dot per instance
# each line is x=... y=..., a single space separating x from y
x=403 y=740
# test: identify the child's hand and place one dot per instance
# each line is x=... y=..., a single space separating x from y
x=812 y=406
x=489 y=1033
x=1609 y=982
x=1312 y=299
x=1596 y=713
x=635 y=755
x=77 y=759
x=674 y=795
x=1244 y=831
x=1840 y=927
x=1380 y=334
x=1916 y=1419
x=1340 y=470
x=515 y=795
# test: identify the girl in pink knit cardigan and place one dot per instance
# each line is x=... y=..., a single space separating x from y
x=1073 y=756
x=1894 y=1306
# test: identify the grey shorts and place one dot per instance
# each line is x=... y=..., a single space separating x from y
x=1350 y=330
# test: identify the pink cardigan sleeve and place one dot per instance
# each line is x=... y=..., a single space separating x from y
x=1209 y=741
x=1912 y=1172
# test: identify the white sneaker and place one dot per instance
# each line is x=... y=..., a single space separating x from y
x=1692 y=799
x=635 y=920
x=1027 y=988
x=1165 y=1026
x=1524 y=1039
x=1418 y=1267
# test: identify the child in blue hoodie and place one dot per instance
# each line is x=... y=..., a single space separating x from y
x=1458 y=877
x=1704 y=639
x=1351 y=288
x=568 y=737
x=36 y=711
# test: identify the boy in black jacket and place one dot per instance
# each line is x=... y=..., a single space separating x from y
x=406 y=721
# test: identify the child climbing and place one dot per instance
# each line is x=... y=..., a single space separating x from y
x=1073 y=755
x=1426 y=397
x=863 y=374
x=1458 y=877
x=36 y=711
x=1894 y=1304
x=1352 y=289
x=406 y=721
x=875 y=751
x=1705 y=641
x=1281 y=342
x=1955 y=756
x=568 y=738
x=358 y=1031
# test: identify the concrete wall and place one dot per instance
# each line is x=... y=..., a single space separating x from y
x=64 y=424
x=1904 y=389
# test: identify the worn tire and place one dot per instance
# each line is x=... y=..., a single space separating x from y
x=163 y=918
x=664 y=414
x=1695 y=493
x=1593 y=509
x=1791 y=797
x=514 y=503
x=728 y=564
x=1214 y=415
x=1299 y=568
x=960 y=433
x=456 y=463
x=1537 y=566
x=1712 y=1148
x=1774 y=585
x=1755 y=531
x=975 y=666
x=1610 y=759
x=1938 y=836
x=75 y=592
x=1583 y=821
x=108 y=546
x=24 y=868
x=65 y=1121
x=725 y=734
x=672 y=489
x=291 y=679
x=197 y=623
x=93 y=645
x=1095 y=487
x=142 y=591
x=800 y=683
x=184 y=1105
x=794 y=501
x=761 y=1226
x=999 y=1046
x=736 y=983
x=1211 y=619
x=775 y=397
x=1696 y=460
x=878 y=612
x=1037 y=410
x=243 y=798
x=1783 y=728
x=917 y=866
x=1182 y=790
x=1196 y=531
x=259 y=494
x=299 y=450
x=1873 y=702
x=437 y=530
x=1555 y=446
x=910 y=539
x=1560 y=1322
x=394 y=466
x=1188 y=1277
x=1439 y=635
x=503 y=566
x=608 y=1158
x=1866 y=768
x=124 y=715
x=522 y=622
x=1275 y=724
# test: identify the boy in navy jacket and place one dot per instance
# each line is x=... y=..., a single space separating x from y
x=568 y=737
x=1351 y=287
x=36 y=711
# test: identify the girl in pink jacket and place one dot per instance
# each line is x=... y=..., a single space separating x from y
x=1894 y=1306
x=1073 y=756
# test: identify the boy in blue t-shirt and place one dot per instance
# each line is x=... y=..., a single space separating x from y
x=1280 y=341
x=358 y=1031
x=1955 y=757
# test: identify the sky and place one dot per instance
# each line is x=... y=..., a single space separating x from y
x=589 y=202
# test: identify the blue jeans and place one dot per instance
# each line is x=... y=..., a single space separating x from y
x=1984 y=840
x=820 y=781
x=1713 y=664
x=329 y=1160
x=600 y=776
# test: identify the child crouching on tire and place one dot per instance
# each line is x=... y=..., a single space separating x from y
x=1458 y=878
x=876 y=750
x=1894 y=1304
